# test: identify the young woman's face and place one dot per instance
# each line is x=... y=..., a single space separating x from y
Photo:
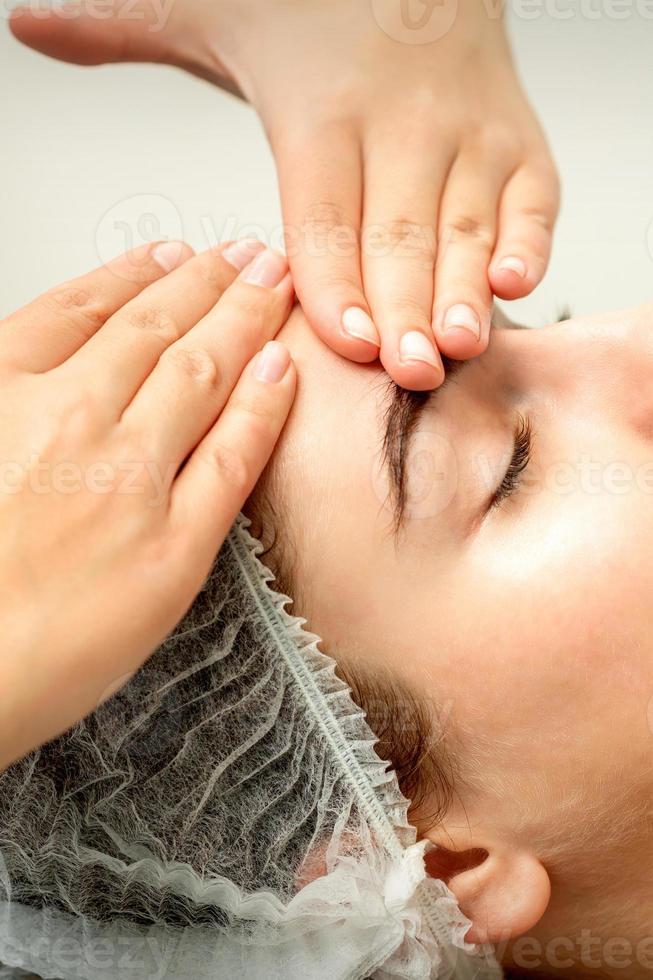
x=521 y=603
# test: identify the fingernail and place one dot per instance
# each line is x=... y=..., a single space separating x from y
x=272 y=362
x=240 y=254
x=267 y=269
x=168 y=255
x=463 y=316
x=414 y=346
x=357 y=323
x=514 y=264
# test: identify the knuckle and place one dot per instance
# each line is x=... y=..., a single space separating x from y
x=195 y=364
x=325 y=215
x=469 y=230
x=153 y=319
x=326 y=229
x=496 y=142
x=230 y=465
x=401 y=237
x=73 y=419
x=73 y=302
x=322 y=231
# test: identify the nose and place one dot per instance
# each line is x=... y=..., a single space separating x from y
x=600 y=363
x=602 y=349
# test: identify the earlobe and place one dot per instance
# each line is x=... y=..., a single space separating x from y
x=503 y=890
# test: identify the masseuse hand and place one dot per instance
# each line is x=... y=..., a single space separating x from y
x=135 y=417
x=415 y=179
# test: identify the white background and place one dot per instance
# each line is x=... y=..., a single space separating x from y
x=82 y=147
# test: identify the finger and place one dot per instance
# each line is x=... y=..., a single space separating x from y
x=70 y=33
x=467 y=233
x=125 y=351
x=49 y=330
x=227 y=463
x=529 y=207
x=320 y=183
x=193 y=380
x=399 y=247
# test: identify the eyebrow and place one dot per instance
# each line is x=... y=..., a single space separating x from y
x=401 y=419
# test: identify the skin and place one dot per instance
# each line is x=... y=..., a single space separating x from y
x=128 y=398
x=529 y=625
x=525 y=628
x=415 y=179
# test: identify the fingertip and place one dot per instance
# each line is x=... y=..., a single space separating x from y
x=149 y=262
x=414 y=377
x=414 y=363
x=513 y=278
x=287 y=286
x=360 y=334
x=20 y=19
x=462 y=329
x=460 y=345
x=346 y=327
x=272 y=363
x=238 y=253
x=359 y=351
x=289 y=384
x=14 y=16
x=45 y=33
x=70 y=32
x=170 y=255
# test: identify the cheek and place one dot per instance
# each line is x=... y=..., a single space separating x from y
x=583 y=564
x=564 y=606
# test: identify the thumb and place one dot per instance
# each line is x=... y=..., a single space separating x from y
x=87 y=35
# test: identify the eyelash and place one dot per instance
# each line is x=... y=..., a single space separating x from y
x=521 y=456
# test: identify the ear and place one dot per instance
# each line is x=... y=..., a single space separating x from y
x=501 y=887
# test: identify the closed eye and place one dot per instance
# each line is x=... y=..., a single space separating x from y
x=520 y=459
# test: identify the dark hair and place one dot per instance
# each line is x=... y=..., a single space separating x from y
x=405 y=727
